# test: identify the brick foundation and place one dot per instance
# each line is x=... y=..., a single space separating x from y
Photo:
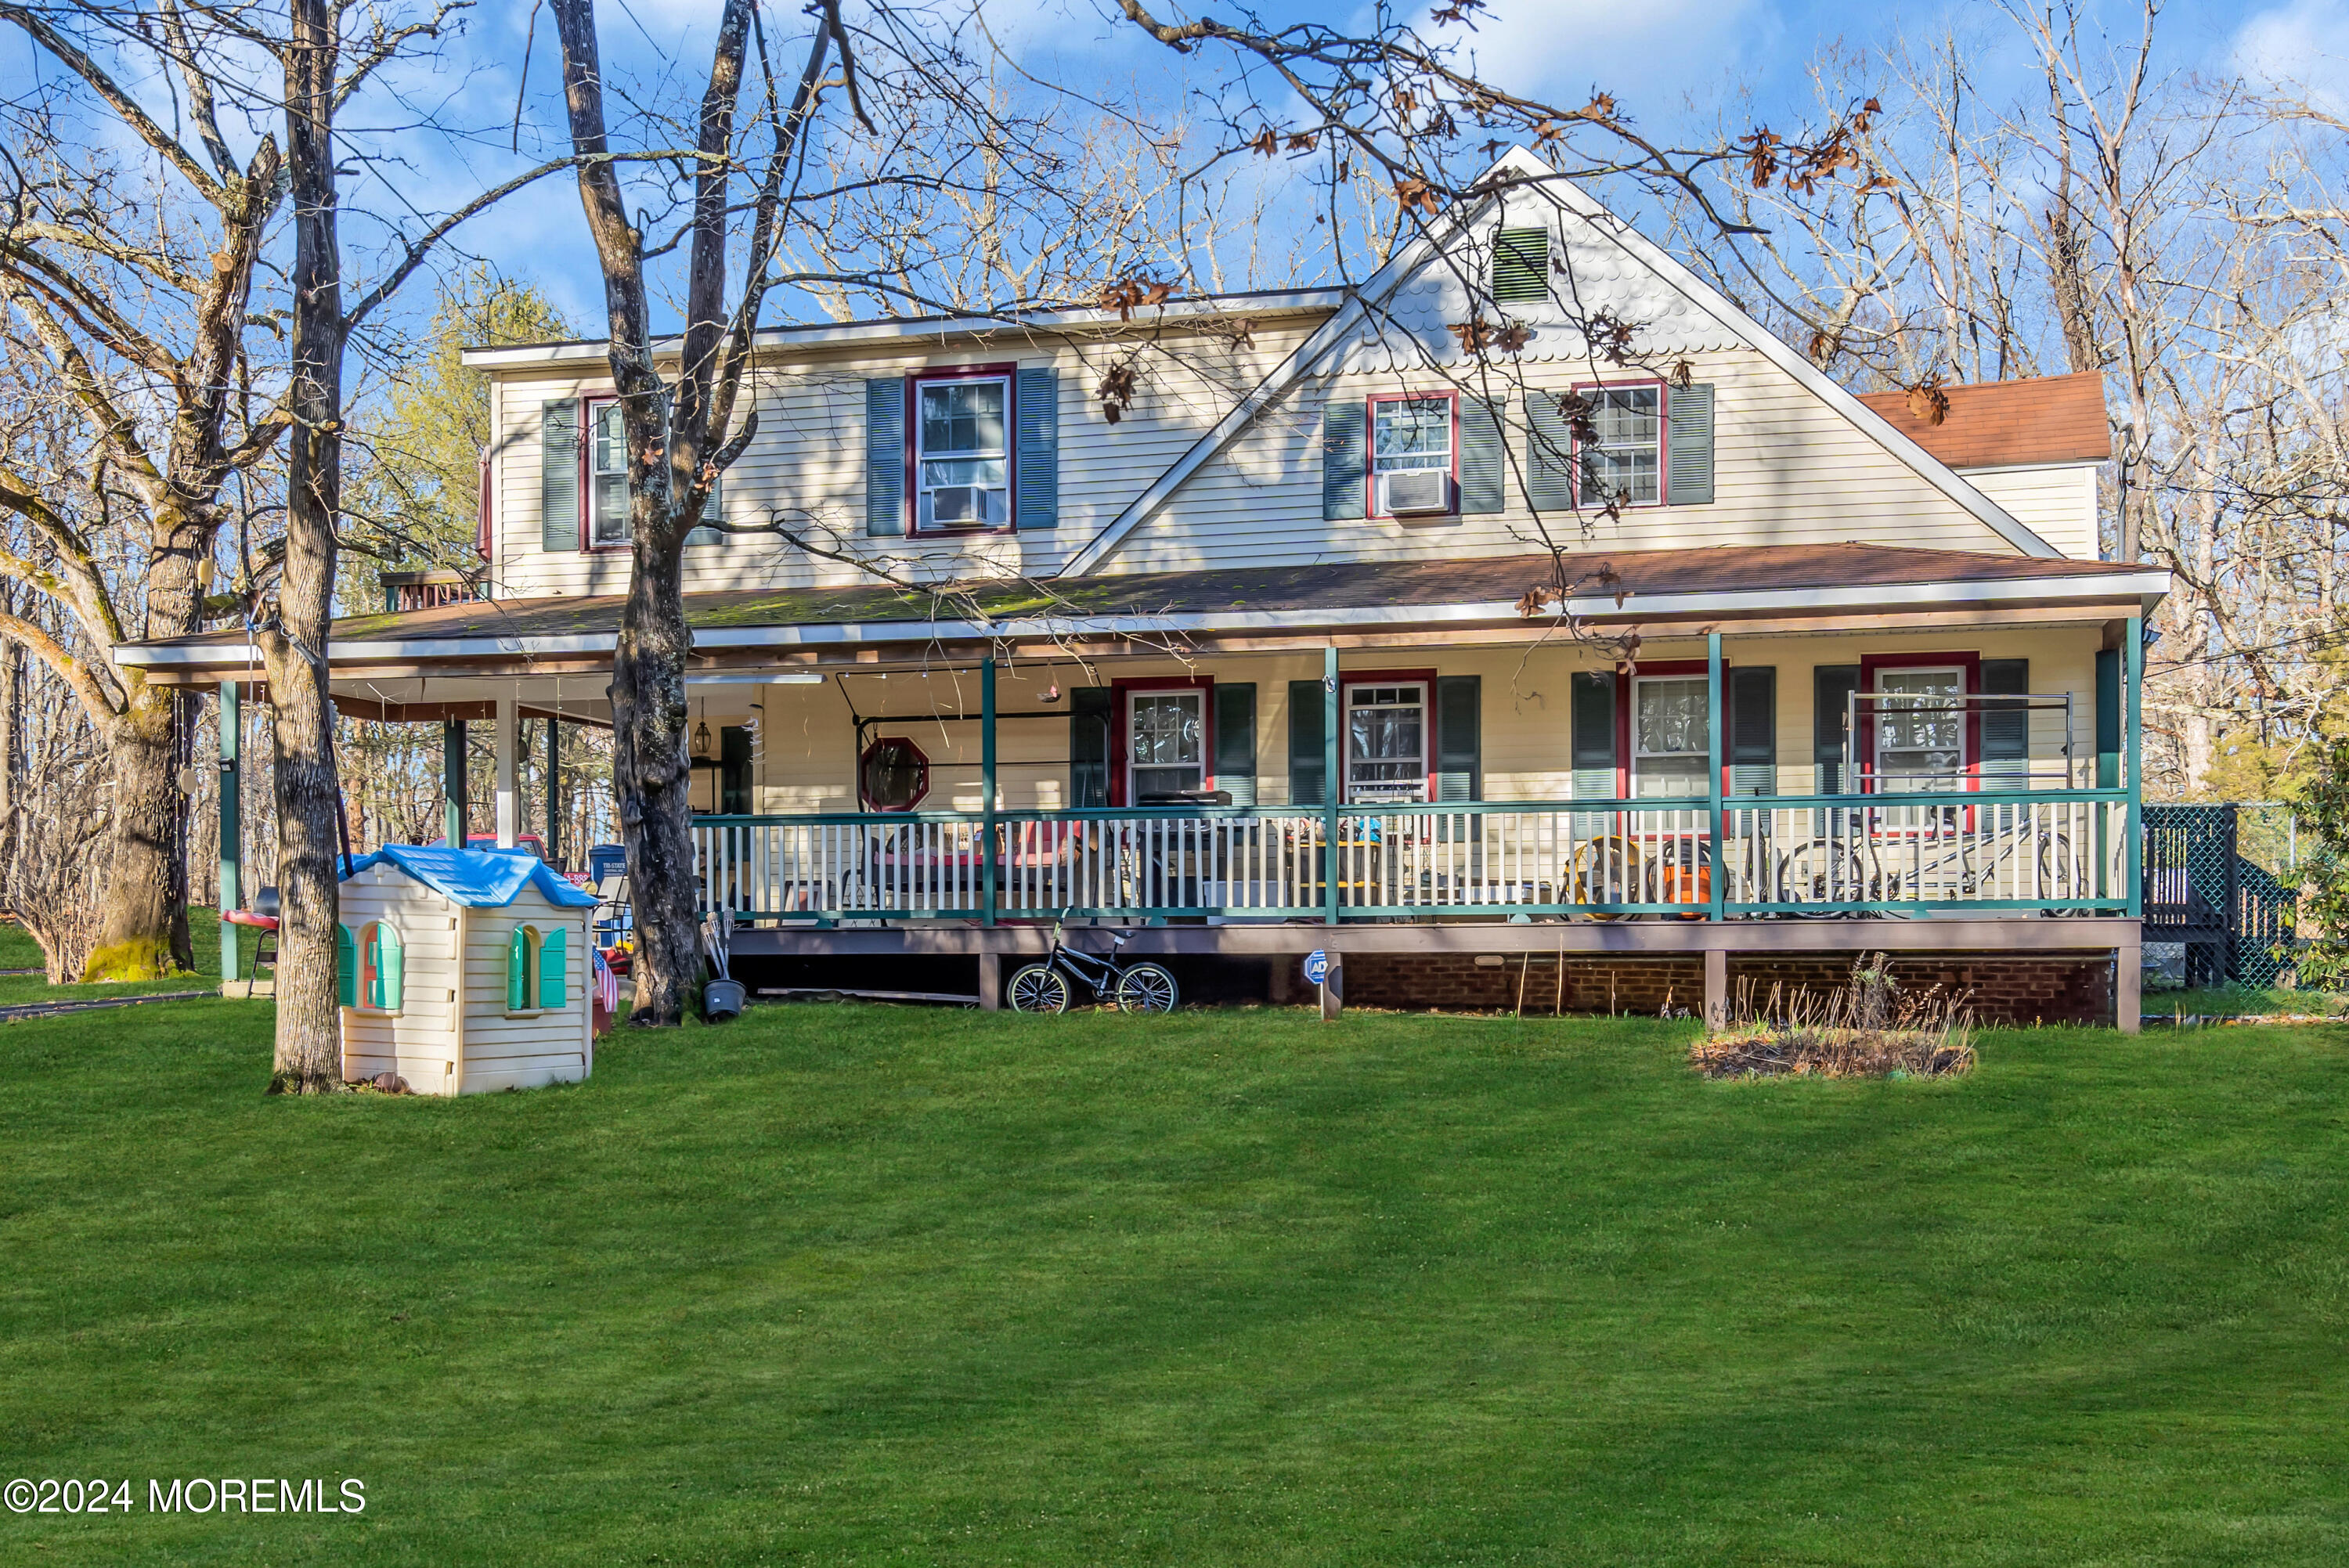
x=2004 y=988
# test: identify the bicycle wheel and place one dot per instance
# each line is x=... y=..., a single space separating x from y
x=1038 y=989
x=1146 y=988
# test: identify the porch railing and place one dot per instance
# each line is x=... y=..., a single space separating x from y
x=2054 y=850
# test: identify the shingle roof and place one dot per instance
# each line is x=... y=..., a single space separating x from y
x=1992 y=424
x=1341 y=585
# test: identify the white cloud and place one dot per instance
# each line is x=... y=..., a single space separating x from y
x=1648 y=56
x=2305 y=43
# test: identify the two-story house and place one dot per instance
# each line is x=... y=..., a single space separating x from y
x=1526 y=605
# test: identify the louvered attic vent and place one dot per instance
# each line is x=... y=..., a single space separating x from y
x=1521 y=266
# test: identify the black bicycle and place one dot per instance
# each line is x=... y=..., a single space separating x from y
x=1138 y=988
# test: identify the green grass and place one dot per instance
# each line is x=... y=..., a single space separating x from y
x=859 y=1284
x=2234 y=1000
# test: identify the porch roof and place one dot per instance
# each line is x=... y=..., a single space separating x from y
x=1718 y=586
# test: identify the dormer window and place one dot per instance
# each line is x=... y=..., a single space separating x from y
x=962 y=456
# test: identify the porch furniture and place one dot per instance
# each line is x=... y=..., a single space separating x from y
x=262 y=917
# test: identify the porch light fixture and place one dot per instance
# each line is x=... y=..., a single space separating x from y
x=701 y=740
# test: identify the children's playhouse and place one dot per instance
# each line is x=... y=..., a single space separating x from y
x=464 y=970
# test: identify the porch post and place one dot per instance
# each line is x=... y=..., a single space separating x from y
x=231 y=826
x=2132 y=760
x=987 y=783
x=452 y=781
x=1718 y=883
x=1333 y=784
x=553 y=791
x=509 y=722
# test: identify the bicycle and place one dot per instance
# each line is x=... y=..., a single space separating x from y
x=1140 y=987
x=1852 y=868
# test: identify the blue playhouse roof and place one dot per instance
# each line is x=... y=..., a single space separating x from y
x=478 y=879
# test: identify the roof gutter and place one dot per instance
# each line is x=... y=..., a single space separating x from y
x=2145 y=585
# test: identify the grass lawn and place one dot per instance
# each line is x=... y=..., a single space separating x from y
x=863 y=1285
x=19 y=950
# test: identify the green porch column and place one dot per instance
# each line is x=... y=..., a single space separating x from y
x=231 y=825
x=2133 y=760
x=987 y=784
x=1333 y=783
x=452 y=781
x=1719 y=884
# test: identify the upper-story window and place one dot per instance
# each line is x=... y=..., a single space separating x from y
x=1412 y=452
x=607 y=476
x=962 y=456
x=1623 y=460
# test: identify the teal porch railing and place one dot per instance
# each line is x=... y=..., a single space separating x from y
x=2023 y=850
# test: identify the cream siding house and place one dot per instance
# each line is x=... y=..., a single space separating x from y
x=1527 y=594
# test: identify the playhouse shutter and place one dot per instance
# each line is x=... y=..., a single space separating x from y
x=1483 y=462
x=1089 y=731
x=885 y=455
x=558 y=476
x=1309 y=774
x=1345 y=438
x=552 y=983
x=2006 y=725
x=1689 y=435
x=1458 y=699
x=347 y=968
x=1037 y=409
x=1831 y=685
x=517 y=971
x=1753 y=731
x=390 y=967
x=1593 y=728
x=1549 y=454
x=1235 y=741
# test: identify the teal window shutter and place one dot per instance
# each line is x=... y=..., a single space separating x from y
x=1458 y=736
x=1037 y=413
x=1521 y=266
x=1088 y=746
x=1593 y=737
x=1752 y=702
x=1688 y=421
x=1483 y=460
x=1549 y=454
x=347 y=968
x=2108 y=719
x=1308 y=781
x=518 y=970
x=2006 y=725
x=1345 y=459
x=1235 y=741
x=554 y=955
x=1831 y=687
x=391 y=968
x=885 y=455
x=558 y=476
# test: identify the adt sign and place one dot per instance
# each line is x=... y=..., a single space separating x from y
x=1316 y=968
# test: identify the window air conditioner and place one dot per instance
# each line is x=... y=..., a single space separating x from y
x=1414 y=492
x=959 y=506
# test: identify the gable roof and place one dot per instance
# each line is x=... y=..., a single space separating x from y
x=2000 y=424
x=1519 y=169
x=478 y=879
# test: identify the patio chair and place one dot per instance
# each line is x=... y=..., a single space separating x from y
x=263 y=917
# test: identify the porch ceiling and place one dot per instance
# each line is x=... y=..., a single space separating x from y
x=1720 y=588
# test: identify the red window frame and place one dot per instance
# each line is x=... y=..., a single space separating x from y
x=1663 y=441
x=588 y=403
x=1425 y=678
x=1370 y=450
x=863 y=801
x=1968 y=661
x=1008 y=371
x=1625 y=692
x=1120 y=691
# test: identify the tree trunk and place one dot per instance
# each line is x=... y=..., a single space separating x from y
x=144 y=931
x=309 y=1022
x=652 y=777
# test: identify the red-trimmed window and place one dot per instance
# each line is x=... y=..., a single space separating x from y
x=604 y=476
x=1414 y=451
x=963 y=455
x=1625 y=459
x=482 y=535
x=1917 y=732
x=893 y=775
x=1671 y=735
x=1388 y=719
